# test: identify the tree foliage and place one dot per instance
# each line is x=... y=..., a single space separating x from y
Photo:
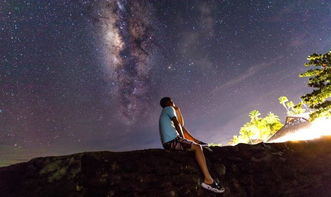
x=258 y=129
x=320 y=81
x=282 y=101
x=290 y=107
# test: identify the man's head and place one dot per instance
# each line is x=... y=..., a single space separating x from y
x=166 y=101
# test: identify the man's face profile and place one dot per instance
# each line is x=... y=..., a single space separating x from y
x=171 y=103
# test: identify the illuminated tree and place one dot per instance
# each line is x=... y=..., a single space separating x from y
x=257 y=129
x=235 y=140
x=283 y=100
x=290 y=107
x=320 y=81
x=254 y=115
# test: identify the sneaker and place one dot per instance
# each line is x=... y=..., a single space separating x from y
x=214 y=187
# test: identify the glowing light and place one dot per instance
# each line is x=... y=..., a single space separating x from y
x=317 y=129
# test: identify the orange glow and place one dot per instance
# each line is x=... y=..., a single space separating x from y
x=318 y=128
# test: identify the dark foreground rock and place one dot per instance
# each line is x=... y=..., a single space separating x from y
x=286 y=169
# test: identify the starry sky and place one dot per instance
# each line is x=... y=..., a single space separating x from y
x=87 y=75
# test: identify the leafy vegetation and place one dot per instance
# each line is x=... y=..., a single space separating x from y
x=258 y=129
x=290 y=107
x=320 y=80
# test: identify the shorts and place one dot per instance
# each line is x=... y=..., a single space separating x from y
x=178 y=143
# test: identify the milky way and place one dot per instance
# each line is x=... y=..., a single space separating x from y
x=128 y=37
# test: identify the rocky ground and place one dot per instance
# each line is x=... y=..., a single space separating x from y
x=285 y=169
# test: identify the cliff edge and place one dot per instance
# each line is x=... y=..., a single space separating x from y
x=282 y=169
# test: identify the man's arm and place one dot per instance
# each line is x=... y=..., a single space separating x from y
x=178 y=126
x=179 y=115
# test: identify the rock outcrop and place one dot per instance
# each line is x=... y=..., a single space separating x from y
x=284 y=169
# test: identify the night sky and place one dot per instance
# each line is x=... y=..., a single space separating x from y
x=88 y=75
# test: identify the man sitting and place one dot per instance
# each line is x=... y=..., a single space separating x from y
x=172 y=138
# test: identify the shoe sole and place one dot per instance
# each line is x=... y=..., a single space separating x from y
x=210 y=188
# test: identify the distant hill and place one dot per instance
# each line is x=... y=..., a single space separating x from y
x=284 y=169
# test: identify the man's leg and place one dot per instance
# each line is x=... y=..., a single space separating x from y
x=200 y=157
x=188 y=135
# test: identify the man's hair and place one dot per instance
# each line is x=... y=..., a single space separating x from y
x=164 y=101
